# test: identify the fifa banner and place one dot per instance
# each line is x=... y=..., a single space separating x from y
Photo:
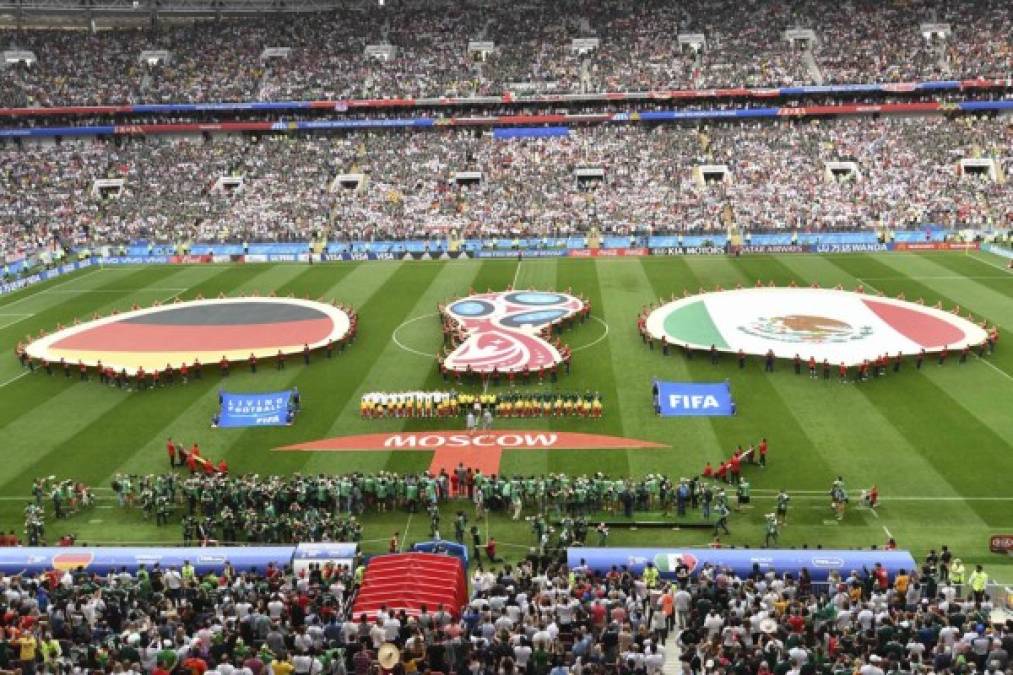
x=269 y=409
x=742 y=562
x=693 y=399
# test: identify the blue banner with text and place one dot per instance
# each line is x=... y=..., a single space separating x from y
x=690 y=399
x=273 y=408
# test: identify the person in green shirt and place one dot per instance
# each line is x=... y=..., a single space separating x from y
x=782 y=507
x=771 y=530
x=742 y=494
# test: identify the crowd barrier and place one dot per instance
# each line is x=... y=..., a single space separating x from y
x=36 y=560
x=706 y=249
x=743 y=562
x=636 y=116
x=345 y=105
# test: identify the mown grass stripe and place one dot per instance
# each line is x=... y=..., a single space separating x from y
x=423 y=375
x=116 y=426
x=192 y=423
x=374 y=350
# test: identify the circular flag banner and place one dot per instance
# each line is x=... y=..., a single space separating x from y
x=825 y=324
x=208 y=330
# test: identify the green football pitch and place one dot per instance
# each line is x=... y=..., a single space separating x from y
x=938 y=442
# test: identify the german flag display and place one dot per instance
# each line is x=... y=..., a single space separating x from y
x=208 y=330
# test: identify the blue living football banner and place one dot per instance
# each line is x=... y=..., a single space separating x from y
x=267 y=409
x=689 y=399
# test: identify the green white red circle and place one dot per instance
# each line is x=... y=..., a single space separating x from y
x=809 y=322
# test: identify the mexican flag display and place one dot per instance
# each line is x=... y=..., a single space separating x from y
x=809 y=322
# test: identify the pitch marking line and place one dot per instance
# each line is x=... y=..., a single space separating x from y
x=517 y=272
x=865 y=283
x=14 y=379
x=404 y=535
x=947 y=277
x=890 y=536
x=39 y=292
x=11 y=323
x=405 y=347
x=995 y=367
x=115 y=290
x=984 y=261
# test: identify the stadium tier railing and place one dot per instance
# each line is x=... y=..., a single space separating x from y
x=428 y=122
x=508 y=99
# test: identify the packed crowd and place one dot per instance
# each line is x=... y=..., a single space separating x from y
x=221 y=60
x=535 y=617
x=907 y=174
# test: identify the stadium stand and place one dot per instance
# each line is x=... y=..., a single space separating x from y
x=774 y=177
x=627 y=46
x=535 y=618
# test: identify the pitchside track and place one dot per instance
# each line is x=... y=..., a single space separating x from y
x=937 y=442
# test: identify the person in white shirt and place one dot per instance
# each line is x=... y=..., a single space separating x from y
x=275 y=608
x=377 y=634
x=522 y=652
x=392 y=628
x=713 y=624
x=654 y=659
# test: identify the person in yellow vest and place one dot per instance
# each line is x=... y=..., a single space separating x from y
x=651 y=575
x=50 y=649
x=596 y=407
x=188 y=574
x=978 y=581
x=957 y=572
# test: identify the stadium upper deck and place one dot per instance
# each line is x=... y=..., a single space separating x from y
x=539 y=47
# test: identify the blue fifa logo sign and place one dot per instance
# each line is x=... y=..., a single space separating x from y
x=687 y=399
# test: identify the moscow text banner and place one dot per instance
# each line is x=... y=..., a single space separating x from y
x=268 y=409
x=691 y=399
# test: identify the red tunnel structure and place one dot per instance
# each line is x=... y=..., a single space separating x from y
x=408 y=581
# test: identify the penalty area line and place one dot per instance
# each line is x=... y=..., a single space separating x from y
x=14 y=379
x=995 y=367
x=888 y=534
x=984 y=261
x=37 y=292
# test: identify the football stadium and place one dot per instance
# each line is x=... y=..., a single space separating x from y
x=545 y=338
